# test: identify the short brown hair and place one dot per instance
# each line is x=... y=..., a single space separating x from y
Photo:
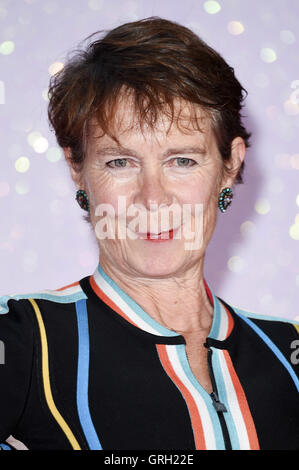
x=159 y=61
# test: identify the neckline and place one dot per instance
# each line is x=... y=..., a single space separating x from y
x=108 y=291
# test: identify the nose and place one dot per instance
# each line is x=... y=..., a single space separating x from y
x=152 y=191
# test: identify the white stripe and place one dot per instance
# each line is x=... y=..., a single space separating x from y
x=68 y=291
x=115 y=297
x=200 y=403
x=16 y=444
x=223 y=327
x=233 y=403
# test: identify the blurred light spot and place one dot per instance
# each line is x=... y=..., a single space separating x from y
x=55 y=67
x=266 y=300
x=295 y=161
x=297 y=219
x=287 y=37
x=56 y=207
x=261 y=80
x=276 y=185
x=236 y=264
x=54 y=154
x=235 y=27
x=22 y=164
x=2 y=92
x=212 y=7
x=40 y=145
x=86 y=259
x=294 y=232
x=4 y=188
x=268 y=55
x=95 y=4
x=247 y=228
x=22 y=187
x=17 y=232
x=29 y=261
x=32 y=137
x=262 y=206
x=291 y=108
x=45 y=94
x=7 y=47
x=297 y=200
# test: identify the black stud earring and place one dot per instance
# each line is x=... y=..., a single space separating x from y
x=82 y=199
x=225 y=199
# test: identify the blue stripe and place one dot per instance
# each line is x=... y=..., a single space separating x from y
x=214 y=333
x=273 y=347
x=82 y=377
x=181 y=351
x=5 y=446
x=223 y=398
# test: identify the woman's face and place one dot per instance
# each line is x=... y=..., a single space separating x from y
x=151 y=171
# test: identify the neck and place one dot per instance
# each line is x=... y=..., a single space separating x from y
x=180 y=303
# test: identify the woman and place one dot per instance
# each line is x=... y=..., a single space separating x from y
x=142 y=354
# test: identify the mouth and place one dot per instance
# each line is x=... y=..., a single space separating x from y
x=161 y=236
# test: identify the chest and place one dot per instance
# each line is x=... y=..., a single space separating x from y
x=198 y=362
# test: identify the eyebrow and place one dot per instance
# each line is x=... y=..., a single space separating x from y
x=114 y=151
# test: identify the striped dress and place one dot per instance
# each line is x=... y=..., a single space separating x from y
x=85 y=367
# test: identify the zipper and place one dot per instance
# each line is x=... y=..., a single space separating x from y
x=218 y=405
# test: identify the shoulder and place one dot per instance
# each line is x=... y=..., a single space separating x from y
x=63 y=295
x=279 y=333
x=267 y=321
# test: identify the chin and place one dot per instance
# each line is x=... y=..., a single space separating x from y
x=154 y=266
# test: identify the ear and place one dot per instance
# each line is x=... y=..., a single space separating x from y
x=75 y=173
x=238 y=150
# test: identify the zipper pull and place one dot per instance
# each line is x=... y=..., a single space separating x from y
x=217 y=403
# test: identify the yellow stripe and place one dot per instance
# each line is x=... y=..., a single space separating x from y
x=296 y=326
x=46 y=380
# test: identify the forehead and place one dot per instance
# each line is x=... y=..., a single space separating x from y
x=189 y=122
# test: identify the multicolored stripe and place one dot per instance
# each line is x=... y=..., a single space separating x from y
x=238 y=418
x=119 y=301
x=205 y=423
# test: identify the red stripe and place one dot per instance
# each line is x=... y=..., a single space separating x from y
x=199 y=438
x=108 y=301
x=69 y=285
x=209 y=293
x=244 y=407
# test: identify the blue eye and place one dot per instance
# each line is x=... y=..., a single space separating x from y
x=122 y=163
x=185 y=161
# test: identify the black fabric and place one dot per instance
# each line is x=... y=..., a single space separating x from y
x=132 y=401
